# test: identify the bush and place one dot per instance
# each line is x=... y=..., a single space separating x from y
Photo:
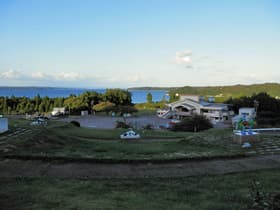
x=268 y=118
x=75 y=123
x=268 y=114
x=121 y=124
x=259 y=199
x=103 y=107
x=125 y=110
x=193 y=124
x=268 y=121
x=148 y=127
x=109 y=107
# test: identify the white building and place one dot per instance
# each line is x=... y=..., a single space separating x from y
x=58 y=111
x=189 y=105
x=3 y=125
x=84 y=113
x=248 y=112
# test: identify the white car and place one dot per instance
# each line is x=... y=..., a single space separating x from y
x=39 y=121
x=130 y=135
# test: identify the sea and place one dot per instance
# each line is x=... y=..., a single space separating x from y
x=138 y=96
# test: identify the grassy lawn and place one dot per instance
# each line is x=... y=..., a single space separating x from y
x=65 y=140
x=203 y=192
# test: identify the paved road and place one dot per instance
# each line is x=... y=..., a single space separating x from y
x=34 y=168
x=110 y=122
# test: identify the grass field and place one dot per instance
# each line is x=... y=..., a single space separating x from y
x=59 y=139
x=203 y=192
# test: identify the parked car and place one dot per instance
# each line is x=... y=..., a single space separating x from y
x=130 y=135
x=39 y=121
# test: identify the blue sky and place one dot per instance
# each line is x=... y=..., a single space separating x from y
x=128 y=43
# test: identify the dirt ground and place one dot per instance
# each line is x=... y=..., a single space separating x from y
x=36 y=168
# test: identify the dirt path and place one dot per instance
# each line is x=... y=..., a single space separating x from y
x=34 y=168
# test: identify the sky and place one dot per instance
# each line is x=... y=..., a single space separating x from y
x=133 y=43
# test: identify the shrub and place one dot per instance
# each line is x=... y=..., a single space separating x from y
x=268 y=114
x=125 y=109
x=121 y=124
x=259 y=199
x=268 y=118
x=148 y=127
x=103 y=107
x=193 y=124
x=75 y=123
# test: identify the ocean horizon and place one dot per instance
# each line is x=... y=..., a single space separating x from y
x=138 y=96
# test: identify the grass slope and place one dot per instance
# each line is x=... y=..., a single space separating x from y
x=65 y=140
x=203 y=192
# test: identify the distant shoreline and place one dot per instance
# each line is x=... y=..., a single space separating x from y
x=138 y=96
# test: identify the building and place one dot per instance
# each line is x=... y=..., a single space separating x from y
x=190 y=105
x=58 y=111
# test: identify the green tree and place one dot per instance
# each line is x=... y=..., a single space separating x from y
x=118 y=96
x=76 y=104
x=5 y=105
x=90 y=99
x=173 y=96
x=37 y=100
x=194 y=123
x=149 y=98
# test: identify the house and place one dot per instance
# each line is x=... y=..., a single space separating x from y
x=248 y=112
x=58 y=111
x=3 y=124
x=84 y=113
x=189 y=105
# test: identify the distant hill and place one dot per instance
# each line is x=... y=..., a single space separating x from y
x=222 y=93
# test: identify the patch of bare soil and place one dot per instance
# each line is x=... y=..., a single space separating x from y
x=36 y=168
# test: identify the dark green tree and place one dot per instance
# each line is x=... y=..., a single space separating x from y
x=149 y=98
x=5 y=105
x=194 y=123
x=118 y=96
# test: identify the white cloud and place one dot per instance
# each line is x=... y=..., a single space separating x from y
x=61 y=76
x=11 y=74
x=129 y=79
x=40 y=75
x=184 y=57
x=68 y=76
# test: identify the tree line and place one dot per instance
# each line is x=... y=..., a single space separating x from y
x=263 y=102
x=85 y=101
x=267 y=107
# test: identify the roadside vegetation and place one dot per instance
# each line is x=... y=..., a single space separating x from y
x=232 y=191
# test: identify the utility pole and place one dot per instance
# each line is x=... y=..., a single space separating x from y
x=256 y=105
